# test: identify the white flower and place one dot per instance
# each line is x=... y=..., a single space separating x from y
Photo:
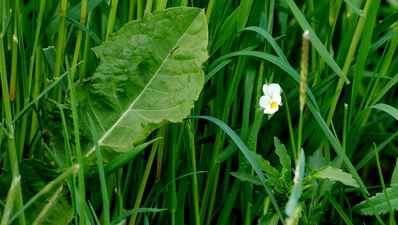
x=271 y=100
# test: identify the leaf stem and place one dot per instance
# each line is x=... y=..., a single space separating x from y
x=112 y=18
x=60 y=48
x=79 y=38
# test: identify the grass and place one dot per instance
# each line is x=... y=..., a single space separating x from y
x=219 y=165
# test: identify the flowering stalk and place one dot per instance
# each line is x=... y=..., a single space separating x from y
x=304 y=68
x=303 y=82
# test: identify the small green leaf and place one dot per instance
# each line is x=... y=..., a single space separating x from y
x=380 y=202
x=265 y=165
x=247 y=177
x=387 y=108
x=269 y=219
x=336 y=163
x=282 y=153
x=334 y=174
x=317 y=160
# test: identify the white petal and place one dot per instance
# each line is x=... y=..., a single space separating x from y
x=265 y=89
x=268 y=110
x=274 y=88
x=276 y=97
x=265 y=101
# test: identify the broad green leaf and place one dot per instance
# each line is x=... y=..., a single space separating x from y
x=57 y=210
x=387 y=108
x=150 y=74
x=380 y=202
x=247 y=177
x=35 y=175
x=334 y=174
x=284 y=158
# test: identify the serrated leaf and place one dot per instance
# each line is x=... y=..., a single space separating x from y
x=247 y=177
x=334 y=174
x=284 y=158
x=52 y=206
x=34 y=176
x=379 y=202
x=56 y=210
x=265 y=165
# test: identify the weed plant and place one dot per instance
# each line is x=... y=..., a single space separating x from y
x=326 y=155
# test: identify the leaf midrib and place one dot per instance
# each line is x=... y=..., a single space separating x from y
x=124 y=114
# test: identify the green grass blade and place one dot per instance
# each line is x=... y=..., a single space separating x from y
x=353 y=6
x=388 y=200
x=122 y=160
x=270 y=39
x=73 y=13
x=386 y=108
x=104 y=191
x=315 y=40
x=93 y=36
x=248 y=155
x=134 y=211
x=385 y=89
x=271 y=58
x=370 y=156
x=338 y=148
x=339 y=209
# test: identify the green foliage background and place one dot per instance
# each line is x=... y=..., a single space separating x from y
x=226 y=164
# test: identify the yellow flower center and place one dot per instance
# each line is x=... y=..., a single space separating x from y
x=273 y=105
